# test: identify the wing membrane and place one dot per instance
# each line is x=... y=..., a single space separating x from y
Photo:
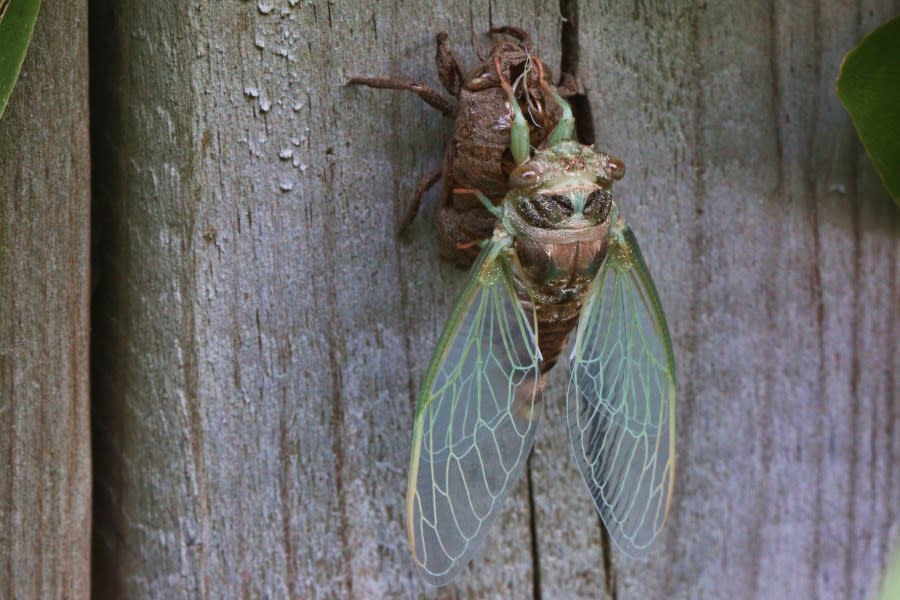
x=475 y=421
x=621 y=398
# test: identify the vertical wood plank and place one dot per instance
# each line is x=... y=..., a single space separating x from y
x=45 y=479
x=775 y=251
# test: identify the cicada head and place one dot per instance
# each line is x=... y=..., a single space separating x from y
x=566 y=186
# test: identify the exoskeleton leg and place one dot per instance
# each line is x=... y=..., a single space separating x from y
x=449 y=73
x=519 y=133
x=568 y=86
x=519 y=34
x=432 y=97
x=424 y=184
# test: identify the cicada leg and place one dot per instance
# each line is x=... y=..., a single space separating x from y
x=519 y=34
x=492 y=208
x=565 y=129
x=519 y=133
x=430 y=96
x=412 y=209
x=448 y=69
x=568 y=85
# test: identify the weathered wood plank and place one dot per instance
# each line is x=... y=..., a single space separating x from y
x=776 y=253
x=45 y=479
x=263 y=332
x=261 y=326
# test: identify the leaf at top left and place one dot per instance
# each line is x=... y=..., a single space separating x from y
x=17 y=19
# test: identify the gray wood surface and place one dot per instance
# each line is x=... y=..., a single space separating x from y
x=45 y=468
x=261 y=332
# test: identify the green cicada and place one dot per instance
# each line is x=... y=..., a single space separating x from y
x=561 y=258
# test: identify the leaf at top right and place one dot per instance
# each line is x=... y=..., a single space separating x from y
x=869 y=88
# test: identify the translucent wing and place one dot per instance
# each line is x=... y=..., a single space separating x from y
x=621 y=398
x=475 y=421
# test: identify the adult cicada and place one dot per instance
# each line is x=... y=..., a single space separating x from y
x=560 y=259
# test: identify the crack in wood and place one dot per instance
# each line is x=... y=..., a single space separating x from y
x=609 y=572
x=337 y=447
x=568 y=63
x=535 y=555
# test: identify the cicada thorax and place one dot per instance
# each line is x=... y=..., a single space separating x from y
x=478 y=155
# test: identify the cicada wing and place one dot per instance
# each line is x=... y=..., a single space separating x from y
x=475 y=421
x=621 y=398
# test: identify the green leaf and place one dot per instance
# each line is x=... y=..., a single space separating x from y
x=16 y=24
x=869 y=87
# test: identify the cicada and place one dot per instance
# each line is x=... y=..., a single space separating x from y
x=560 y=259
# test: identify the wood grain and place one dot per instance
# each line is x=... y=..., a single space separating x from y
x=261 y=332
x=45 y=469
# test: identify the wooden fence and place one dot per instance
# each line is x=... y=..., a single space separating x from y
x=257 y=332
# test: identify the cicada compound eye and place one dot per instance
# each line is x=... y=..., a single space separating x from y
x=525 y=176
x=615 y=168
